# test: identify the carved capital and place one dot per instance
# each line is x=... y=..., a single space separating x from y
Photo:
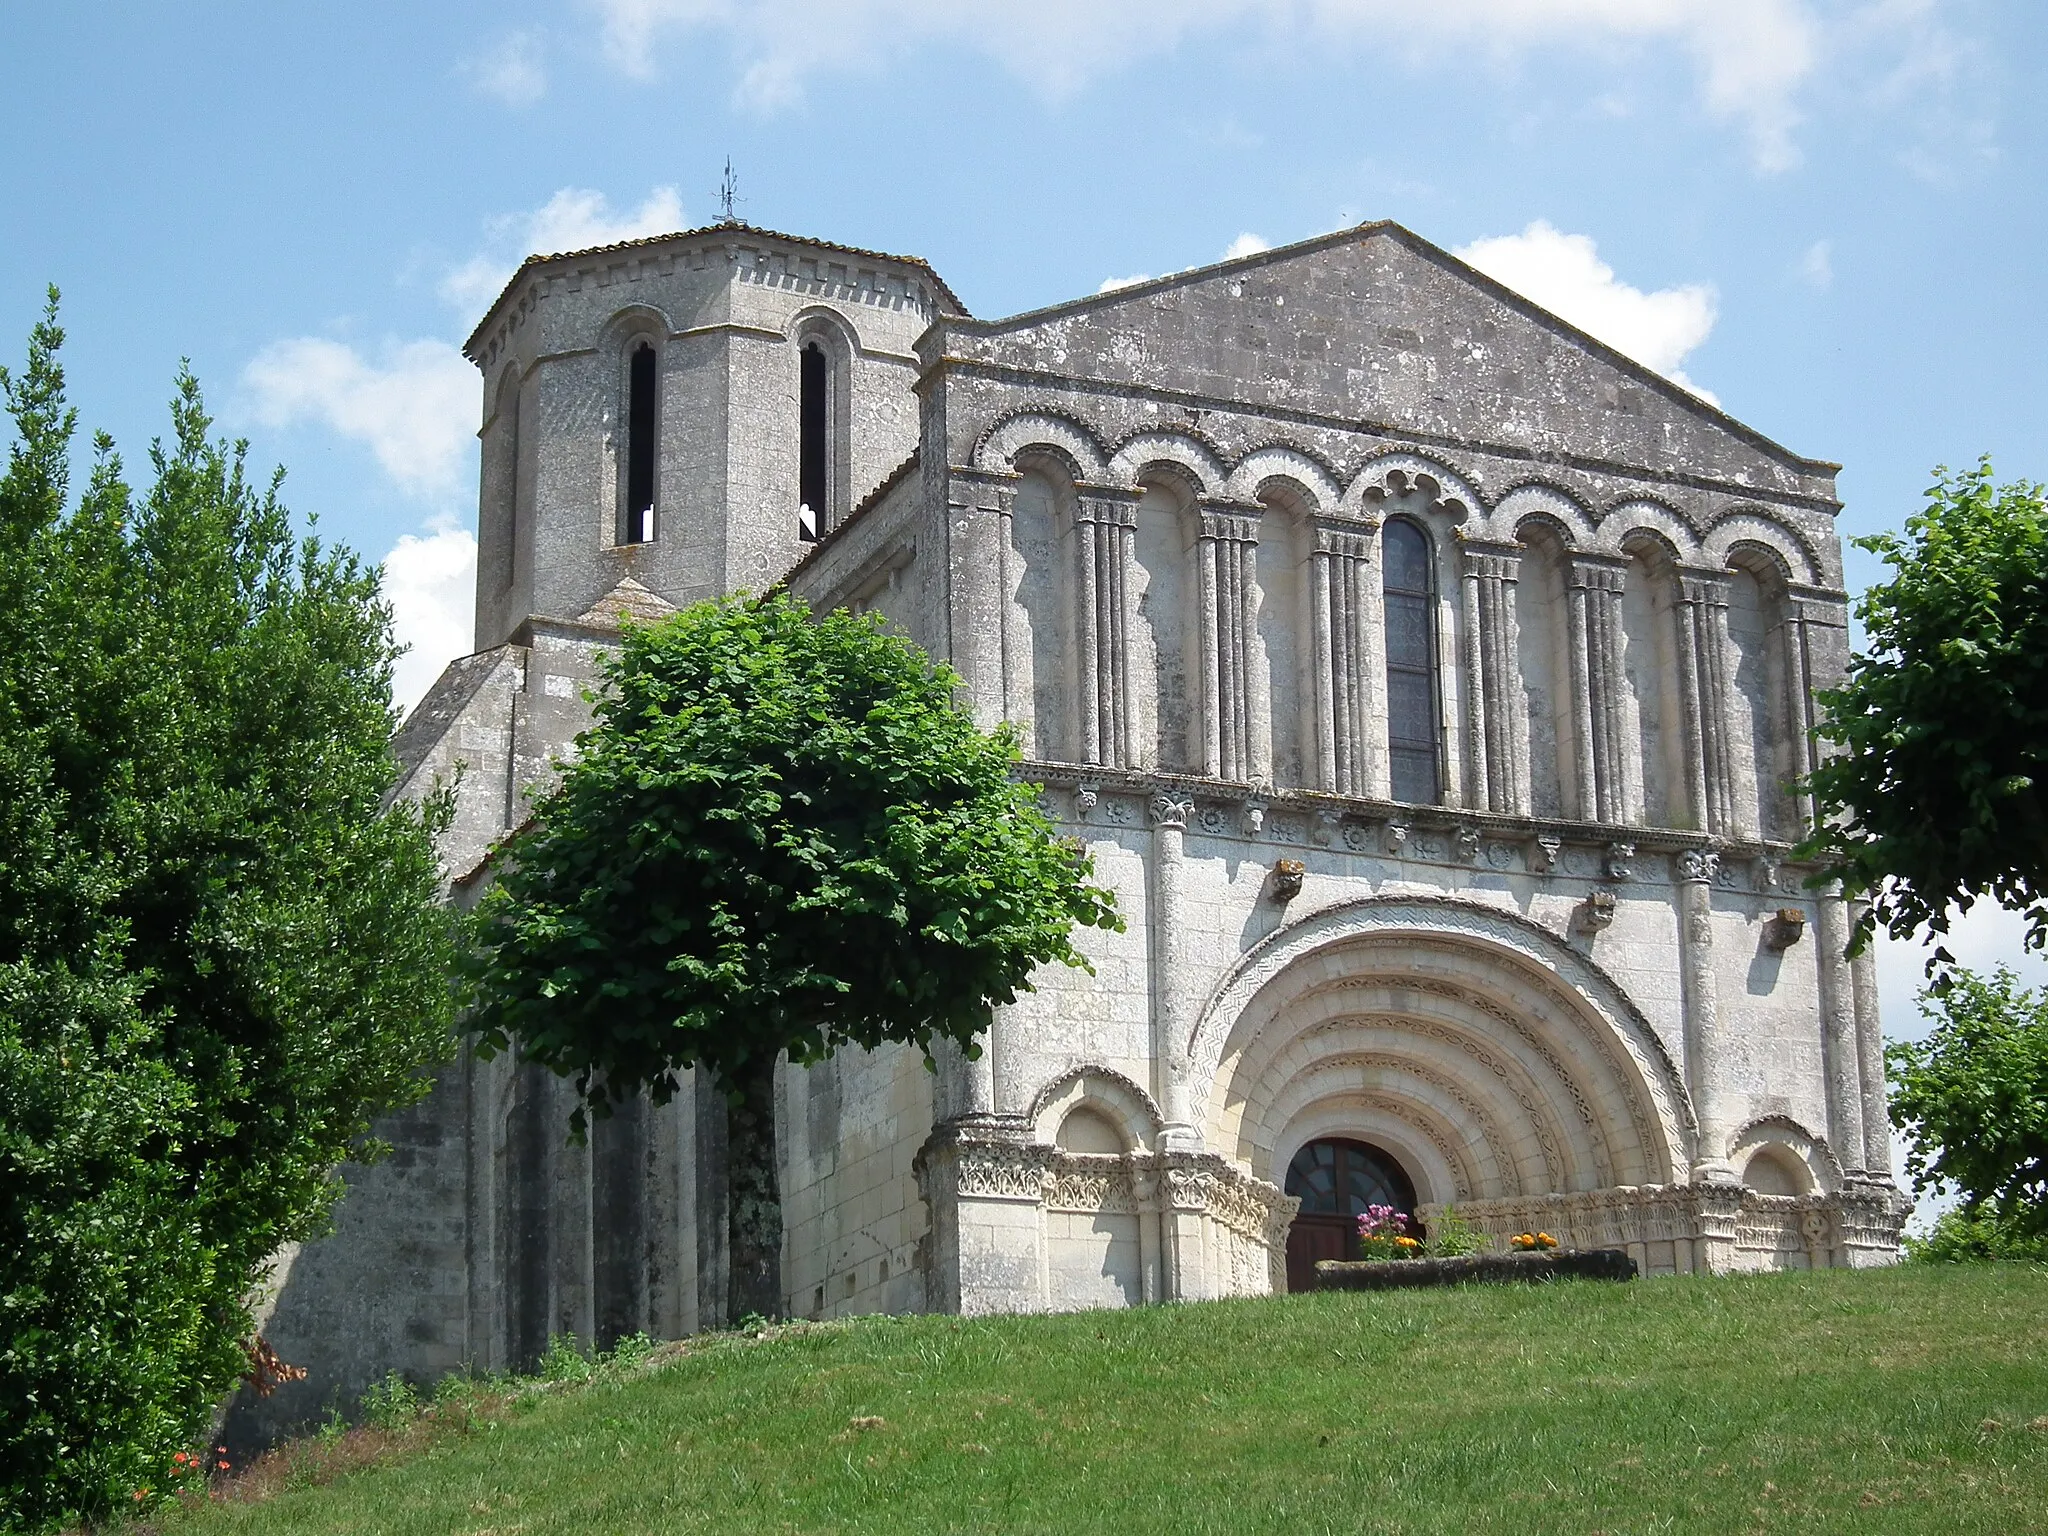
x=1697 y=864
x=1171 y=811
x=1703 y=587
x=1229 y=522
x=1117 y=509
x=1349 y=541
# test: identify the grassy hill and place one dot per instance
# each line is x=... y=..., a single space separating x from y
x=1906 y=1400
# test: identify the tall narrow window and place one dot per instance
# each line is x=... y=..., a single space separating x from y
x=1410 y=599
x=637 y=519
x=814 y=458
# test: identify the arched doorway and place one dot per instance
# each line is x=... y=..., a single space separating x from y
x=1336 y=1179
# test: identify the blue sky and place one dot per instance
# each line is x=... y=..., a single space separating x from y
x=1826 y=213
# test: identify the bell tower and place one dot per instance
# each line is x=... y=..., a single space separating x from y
x=687 y=412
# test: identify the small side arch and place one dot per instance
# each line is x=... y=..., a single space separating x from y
x=1107 y=1095
x=1747 y=526
x=1788 y=1145
x=1316 y=485
x=1193 y=460
x=1564 y=513
x=1626 y=521
x=1079 y=450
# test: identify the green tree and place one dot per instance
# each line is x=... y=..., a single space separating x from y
x=1936 y=799
x=1972 y=1099
x=220 y=952
x=781 y=834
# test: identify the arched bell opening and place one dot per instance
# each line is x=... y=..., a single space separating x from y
x=1337 y=1180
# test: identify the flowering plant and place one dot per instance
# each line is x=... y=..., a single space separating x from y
x=1532 y=1242
x=1383 y=1234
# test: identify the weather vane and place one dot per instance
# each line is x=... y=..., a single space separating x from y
x=728 y=194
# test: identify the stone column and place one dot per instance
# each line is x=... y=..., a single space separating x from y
x=1702 y=619
x=1877 y=1123
x=1225 y=551
x=1595 y=583
x=1497 y=751
x=1171 y=994
x=1341 y=574
x=1705 y=1064
x=1105 y=529
x=1840 y=1051
x=1016 y=639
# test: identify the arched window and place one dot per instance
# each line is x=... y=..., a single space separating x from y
x=814 y=442
x=1413 y=748
x=636 y=516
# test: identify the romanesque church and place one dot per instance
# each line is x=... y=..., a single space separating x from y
x=1429 y=681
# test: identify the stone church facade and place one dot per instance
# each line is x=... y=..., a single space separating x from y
x=1425 y=677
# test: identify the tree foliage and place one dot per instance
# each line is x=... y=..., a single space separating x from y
x=220 y=953
x=780 y=834
x=1972 y=1100
x=1937 y=797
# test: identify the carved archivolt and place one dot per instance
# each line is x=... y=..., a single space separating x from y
x=1125 y=1104
x=1784 y=1132
x=1084 y=453
x=1530 y=964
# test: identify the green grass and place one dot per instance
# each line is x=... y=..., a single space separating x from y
x=1913 y=1399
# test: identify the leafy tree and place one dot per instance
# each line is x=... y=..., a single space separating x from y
x=220 y=952
x=781 y=834
x=1973 y=1101
x=1937 y=797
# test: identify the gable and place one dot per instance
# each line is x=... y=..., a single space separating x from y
x=1377 y=328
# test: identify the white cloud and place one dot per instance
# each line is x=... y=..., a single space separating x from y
x=1752 y=56
x=1564 y=273
x=1246 y=244
x=416 y=407
x=430 y=583
x=510 y=69
x=1817 y=266
x=574 y=219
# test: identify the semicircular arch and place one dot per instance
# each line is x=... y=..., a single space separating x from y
x=1313 y=478
x=1047 y=432
x=1559 y=1025
x=1192 y=459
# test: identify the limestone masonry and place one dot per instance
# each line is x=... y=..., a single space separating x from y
x=1425 y=677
